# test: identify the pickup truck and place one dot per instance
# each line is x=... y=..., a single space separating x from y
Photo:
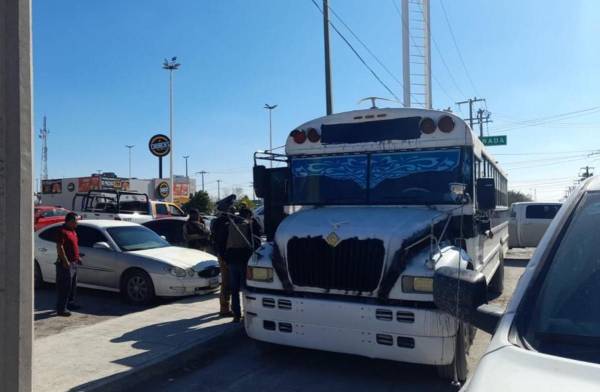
x=126 y=206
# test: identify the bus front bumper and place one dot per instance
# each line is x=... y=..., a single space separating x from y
x=406 y=334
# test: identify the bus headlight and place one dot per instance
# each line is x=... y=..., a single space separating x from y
x=259 y=274
x=417 y=284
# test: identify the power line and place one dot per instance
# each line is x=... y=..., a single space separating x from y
x=546 y=153
x=365 y=46
x=545 y=120
x=358 y=55
x=462 y=61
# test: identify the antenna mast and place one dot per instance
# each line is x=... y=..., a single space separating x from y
x=44 y=136
x=416 y=53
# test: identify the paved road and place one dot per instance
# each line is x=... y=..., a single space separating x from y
x=247 y=366
x=96 y=306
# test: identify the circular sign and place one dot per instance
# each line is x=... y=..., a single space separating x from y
x=159 y=145
x=163 y=189
x=71 y=187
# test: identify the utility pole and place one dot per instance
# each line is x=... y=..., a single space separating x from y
x=218 y=189
x=471 y=101
x=171 y=66
x=328 y=94
x=587 y=173
x=129 y=146
x=270 y=109
x=44 y=136
x=202 y=173
x=186 y=165
x=482 y=120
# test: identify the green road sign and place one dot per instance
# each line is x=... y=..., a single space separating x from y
x=499 y=140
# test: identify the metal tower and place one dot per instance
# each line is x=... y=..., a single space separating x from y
x=416 y=53
x=44 y=136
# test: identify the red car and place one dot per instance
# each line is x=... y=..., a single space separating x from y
x=47 y=215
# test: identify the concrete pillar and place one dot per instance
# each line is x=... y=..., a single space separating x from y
x=16 y=233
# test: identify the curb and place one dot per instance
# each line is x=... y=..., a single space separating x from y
x=203 y=350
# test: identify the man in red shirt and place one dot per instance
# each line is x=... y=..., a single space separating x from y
x=67 y=248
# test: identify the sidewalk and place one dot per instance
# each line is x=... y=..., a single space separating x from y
x=110 y=354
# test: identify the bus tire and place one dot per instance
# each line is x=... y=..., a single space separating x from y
x=460 y=357
x=497 y=282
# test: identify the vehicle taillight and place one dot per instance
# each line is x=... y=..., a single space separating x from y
x=313 y=135
x=446 y=124
x=298 y=136
x=427 y=125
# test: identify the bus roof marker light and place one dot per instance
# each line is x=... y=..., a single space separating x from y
x=427 y=125
x=446 y=124
x=313 y=135
x=298 y=135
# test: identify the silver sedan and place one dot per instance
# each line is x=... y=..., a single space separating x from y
x=131 y=259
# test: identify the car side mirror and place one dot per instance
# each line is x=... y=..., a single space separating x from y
x=463 y=294
x=261 y=180
x=102 y=245
x=163 y=237
x=486 y=194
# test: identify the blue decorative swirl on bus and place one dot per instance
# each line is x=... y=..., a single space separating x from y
x=397 y=165
x=352 y=168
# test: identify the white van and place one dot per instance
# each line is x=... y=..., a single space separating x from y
x=528 y=223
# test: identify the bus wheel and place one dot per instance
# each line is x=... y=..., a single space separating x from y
x=497 y=282
x=460 y=357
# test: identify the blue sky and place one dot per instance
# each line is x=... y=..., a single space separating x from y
x=98 y=78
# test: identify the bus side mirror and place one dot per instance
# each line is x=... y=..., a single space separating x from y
x=463 y=294
x=261 y=181
x=486 y=194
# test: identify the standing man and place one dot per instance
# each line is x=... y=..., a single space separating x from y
x=243 y=238
x=218 y=230
x=67 y=249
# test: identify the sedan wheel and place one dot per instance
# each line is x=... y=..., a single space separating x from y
x=138 y=288
x=38 y=281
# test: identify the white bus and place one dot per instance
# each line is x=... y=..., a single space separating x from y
x=363 y=208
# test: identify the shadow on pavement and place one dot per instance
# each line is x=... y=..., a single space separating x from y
x=516 y=263
x=157 y=337
x=95 y=303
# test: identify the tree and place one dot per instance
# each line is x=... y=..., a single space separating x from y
x=245 y=200
x=516 y=196
x=201 y=202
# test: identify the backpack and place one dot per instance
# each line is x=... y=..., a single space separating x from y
x=239 y=236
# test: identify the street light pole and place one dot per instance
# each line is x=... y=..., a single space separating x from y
x=186 y=164
x=270 y=109
x=130 y=146
x=218 y=189
x=171 y=65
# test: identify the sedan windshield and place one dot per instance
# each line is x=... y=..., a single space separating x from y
x=131 y=238
x=565 y=319
x=409 y=177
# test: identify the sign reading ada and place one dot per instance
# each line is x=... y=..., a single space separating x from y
x=499 y=140
x=160 y=145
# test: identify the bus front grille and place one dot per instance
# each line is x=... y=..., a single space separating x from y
x=353 y=264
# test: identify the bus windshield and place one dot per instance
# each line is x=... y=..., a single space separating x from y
x=409 y=177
